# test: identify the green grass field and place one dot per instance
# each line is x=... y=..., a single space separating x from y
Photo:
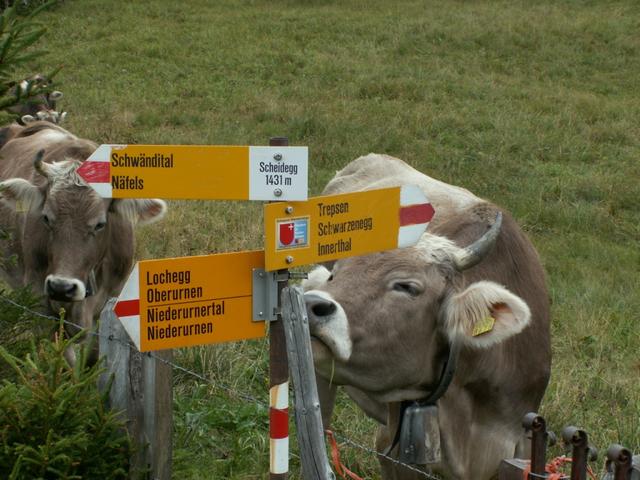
x=534 y=105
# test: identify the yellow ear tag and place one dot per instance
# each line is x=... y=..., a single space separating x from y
x=484 y=326
x=21 y=206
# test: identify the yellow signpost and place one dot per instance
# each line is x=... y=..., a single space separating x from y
x=338 y=226
x=208 y=172
x=187 y=301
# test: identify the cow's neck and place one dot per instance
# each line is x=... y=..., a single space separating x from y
x=397 y=410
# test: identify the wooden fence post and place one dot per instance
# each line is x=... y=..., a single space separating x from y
x=142 y=391
x=278 y=380
x=313 y=454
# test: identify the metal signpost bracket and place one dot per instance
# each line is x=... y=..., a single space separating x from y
x=265 y=295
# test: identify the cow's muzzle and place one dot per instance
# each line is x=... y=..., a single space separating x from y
x=64 y=289
x=328 y=323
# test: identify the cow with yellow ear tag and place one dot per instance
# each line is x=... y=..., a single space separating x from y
x=445 y=343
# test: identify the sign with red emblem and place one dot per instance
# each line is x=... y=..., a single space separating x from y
x=293 y=233
x=337 y=226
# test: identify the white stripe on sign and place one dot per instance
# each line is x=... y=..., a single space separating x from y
x=128 y=306
x=131 y=290
x=279 y=455
x=132 y=327
x=103 y=189
x=412 y=195
x=410 y=235
x=415 y=214
x=102 y=154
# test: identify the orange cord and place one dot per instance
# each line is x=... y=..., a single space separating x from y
x=553 y=469
x=341 y=470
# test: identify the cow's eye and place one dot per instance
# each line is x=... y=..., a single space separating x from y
x=100 y=226
x=46 y=220
x=409 y=288
x=330 y=278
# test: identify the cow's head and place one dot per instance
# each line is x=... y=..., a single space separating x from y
x=383 y=323
x=80 y=246
x=36 y=101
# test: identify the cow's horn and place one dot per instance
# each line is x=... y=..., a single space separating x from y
x=474 y=253
x=41 y=168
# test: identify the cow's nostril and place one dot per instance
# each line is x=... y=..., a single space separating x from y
x=323 y=309
x=61 y=289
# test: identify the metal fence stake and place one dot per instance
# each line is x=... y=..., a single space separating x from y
x=538 y=427
x=581 y=452
x=621 y=458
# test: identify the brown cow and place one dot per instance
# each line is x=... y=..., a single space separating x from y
x=383 y=325
x=66 y=240
x=30 y=108
x=35 y=102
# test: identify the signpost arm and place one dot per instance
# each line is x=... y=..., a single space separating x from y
x=278 y=380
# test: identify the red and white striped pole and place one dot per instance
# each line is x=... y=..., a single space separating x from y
x=279 y=430
x=278 y=381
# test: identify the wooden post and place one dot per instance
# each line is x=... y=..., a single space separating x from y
x=278 y=381
x=313 y=454
x=142 y=390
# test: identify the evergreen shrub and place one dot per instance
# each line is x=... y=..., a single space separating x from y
x=53 y=419
x=18 y=37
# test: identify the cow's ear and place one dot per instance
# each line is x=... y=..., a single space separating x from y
x=316 y=278
x=484 y=314
x=140 y=210
x=20 y=195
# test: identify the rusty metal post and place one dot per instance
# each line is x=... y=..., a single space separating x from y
x=581 y=453
x=621 y=458
x=538 y=426
x=278 y=380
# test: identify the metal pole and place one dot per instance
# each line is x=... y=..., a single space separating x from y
x=580 y=451
x=621 y=459
x=278 y=380
x=538 y=427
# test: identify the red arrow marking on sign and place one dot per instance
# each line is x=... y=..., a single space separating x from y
x=127 y=308
x=416 y=214
x=95 y=172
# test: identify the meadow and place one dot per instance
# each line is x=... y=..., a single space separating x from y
x=534 y=105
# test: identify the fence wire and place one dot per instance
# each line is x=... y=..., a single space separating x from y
x=218 y=384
